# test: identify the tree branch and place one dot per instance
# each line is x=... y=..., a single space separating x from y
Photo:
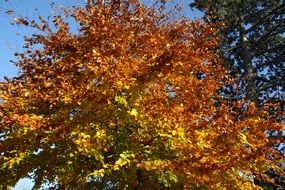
x=268 y=33
x=271 y=84
x=264 y=17
x=267 y=63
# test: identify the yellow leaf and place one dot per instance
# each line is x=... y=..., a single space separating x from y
x=134 y=112
x=121 y=100
x=243 y=139
x=98 y=173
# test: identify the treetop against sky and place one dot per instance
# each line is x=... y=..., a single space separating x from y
x=11 y=36
x=129 y=100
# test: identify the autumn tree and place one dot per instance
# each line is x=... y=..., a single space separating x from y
x=128 y=102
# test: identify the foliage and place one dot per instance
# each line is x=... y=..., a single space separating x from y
x=253 y=43
x=121 y=105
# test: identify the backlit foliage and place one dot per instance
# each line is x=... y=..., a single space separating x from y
x=120 y=105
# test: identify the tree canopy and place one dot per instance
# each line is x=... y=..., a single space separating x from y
x=253 y=43
x=130 y=101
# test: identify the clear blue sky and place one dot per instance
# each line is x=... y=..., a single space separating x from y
x=11 y=36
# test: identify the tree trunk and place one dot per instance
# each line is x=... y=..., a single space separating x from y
x=246 y=57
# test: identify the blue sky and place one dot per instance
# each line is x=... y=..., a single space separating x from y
x=11 y=36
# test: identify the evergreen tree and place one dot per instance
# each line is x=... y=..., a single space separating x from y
x=254 y=44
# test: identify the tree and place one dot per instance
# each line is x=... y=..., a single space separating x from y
x=253 y=43
x=129 y=102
